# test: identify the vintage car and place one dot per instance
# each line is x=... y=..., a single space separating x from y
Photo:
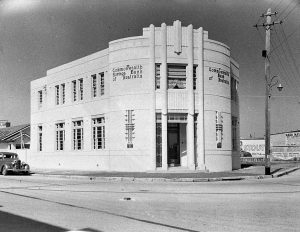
x=10 y=163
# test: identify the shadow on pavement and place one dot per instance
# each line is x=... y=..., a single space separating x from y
x=275 y=170
x=15 y=223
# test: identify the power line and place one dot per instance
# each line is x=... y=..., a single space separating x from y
x=284 y=52
x=289 y=13
x=290 y=51
x=285 y=9
x=285 y=70
x=288 y=37
x=277 y=5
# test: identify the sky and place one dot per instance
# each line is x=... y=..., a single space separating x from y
x=37 y=35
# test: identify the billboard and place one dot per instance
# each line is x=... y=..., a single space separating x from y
x=255 y=146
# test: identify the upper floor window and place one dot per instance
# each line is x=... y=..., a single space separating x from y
x=57 y=95
x=97 y=84
x=80 y=88
x=63 y=93
x=176 y=76
x=74 y=90
x=60 y=94
x=40 y=99
x=101 y=83
x=157 y=76
x=194 y=77
x=77 y=90
x=233 y=89
x=94 y=85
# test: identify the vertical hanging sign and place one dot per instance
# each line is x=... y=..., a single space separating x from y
x=129 y=128
x=219 y=129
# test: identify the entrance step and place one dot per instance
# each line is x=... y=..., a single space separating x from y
x=176 y=170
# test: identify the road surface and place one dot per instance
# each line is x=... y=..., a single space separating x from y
x=36 y=203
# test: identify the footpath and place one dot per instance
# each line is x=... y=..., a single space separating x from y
x=175 y=175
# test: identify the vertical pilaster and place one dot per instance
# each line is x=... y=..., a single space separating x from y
x=153 y=97
x=164 y=90
x=200 y=87
x=191 y=101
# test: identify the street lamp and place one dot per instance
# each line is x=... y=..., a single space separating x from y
x=275 y=80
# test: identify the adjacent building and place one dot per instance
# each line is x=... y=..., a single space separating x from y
x=166 y=99
x=16 y=139
x=284 y=146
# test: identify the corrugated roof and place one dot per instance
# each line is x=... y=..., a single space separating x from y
x=9 y=131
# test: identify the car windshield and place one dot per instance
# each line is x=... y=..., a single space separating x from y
x=10 y=156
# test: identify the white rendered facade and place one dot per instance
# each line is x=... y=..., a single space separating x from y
x=166 y=98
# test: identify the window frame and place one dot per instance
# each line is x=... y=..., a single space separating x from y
x=77 y=130
x=98 y=127
x=60 y=142
x=40 y=138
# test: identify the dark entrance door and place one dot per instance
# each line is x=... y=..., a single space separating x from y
x=173 y=144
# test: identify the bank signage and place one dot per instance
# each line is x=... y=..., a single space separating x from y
x=127 y=72
x=219 y=74
x=292 y=138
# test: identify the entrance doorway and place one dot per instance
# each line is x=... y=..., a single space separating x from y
x=173 y=144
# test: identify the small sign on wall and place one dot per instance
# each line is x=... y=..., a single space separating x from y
x=219 y=74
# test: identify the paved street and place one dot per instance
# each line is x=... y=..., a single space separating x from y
x=36 y=203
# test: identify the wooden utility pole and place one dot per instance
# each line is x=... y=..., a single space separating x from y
x=269 y=85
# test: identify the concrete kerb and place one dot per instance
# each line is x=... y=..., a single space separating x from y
x=162 y=179
x=159 y=179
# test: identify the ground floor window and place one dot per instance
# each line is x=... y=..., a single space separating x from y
x=158 y=145
x=40 y=138
x=78 y=135
x=98 y=125
x=60 y=136
x=234 y=121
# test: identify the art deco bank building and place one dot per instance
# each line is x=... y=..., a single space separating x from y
x=165 y=100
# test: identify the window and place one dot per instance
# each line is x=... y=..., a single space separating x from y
x=98 y=125
x=60 y=94
x=63 y=93
x=234 y=128
x=74 y=89
x=158 y=145
x=101 y=84
x=98 y=85
x=80 y=89
x=94 y=85
x=194 y=77
x=176 y=76
x=77 y=90
x=78 y=135
x=157 y=76
x=60 y=136
x=233 y=88
x=40 y=138
x=40 y=99
x=57 y=95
